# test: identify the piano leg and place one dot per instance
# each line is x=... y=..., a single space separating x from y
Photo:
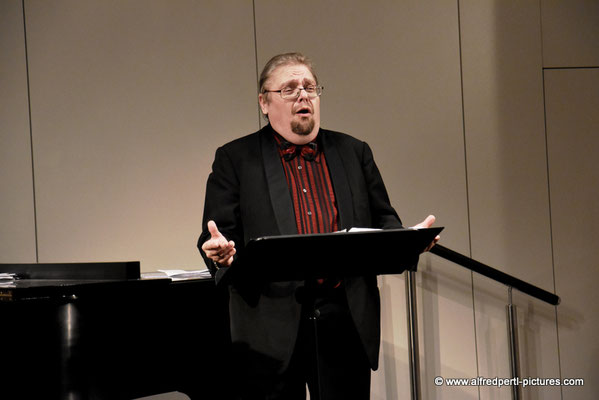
x=72 y=377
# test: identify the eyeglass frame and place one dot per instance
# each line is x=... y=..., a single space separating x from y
x=317 y=92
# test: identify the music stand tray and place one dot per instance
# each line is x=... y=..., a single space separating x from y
x=325 y=255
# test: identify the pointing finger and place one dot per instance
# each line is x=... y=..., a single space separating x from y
x=214 y=232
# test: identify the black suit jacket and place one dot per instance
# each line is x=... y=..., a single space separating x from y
x=248 y=197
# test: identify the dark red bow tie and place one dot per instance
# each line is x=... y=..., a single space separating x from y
x=308 y=151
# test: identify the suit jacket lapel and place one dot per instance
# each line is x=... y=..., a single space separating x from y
x=277 y=184
x=345 y=205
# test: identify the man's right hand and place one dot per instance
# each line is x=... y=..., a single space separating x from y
x=218 y=248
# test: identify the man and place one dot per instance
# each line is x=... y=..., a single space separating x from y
x=294 y=177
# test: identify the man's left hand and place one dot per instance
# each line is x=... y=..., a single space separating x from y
x=427 y=223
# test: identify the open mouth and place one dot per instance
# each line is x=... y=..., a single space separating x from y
x=304 y=111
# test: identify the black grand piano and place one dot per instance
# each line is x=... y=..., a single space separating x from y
x=98 y=331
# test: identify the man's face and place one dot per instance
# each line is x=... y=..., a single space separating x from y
x=297 y=120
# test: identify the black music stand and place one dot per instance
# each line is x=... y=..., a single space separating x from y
x=330 y=255
x=339 y=254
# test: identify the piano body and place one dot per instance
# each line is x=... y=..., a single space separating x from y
x=98 y=331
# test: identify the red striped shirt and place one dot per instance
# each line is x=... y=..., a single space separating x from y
x=311 y=192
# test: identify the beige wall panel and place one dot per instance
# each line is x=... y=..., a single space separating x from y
x=129 y=102
x=391 y=76
x=17 y=229
x=572 y=98
x=570 y=33
x=505 y=140
x=507 y=173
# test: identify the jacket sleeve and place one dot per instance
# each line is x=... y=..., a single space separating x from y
x=222 y=205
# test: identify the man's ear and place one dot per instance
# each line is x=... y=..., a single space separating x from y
x=263 y=100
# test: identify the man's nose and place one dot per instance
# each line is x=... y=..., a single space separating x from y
x=303 y=94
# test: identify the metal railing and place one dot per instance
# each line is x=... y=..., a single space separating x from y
x=510 y=281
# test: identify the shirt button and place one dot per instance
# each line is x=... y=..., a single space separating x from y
x=299 y=167
x=304 y=190
x=309 y=212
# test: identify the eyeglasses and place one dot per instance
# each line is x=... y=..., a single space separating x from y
x=312 y=91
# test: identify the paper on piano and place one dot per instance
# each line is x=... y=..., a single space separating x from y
x=154 y=275
x=181 y=274
x=8 y=276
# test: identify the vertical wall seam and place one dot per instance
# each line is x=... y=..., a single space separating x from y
x=551 y=241
x=559 y=362
x=464 y=129
x=30 y=133
x=467 y=187
x=256 y=58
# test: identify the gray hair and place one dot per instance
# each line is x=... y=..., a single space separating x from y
x=280 y=60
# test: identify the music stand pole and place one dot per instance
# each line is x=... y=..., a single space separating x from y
x=314 y=318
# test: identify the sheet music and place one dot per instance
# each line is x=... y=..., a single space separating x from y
x=177 y=274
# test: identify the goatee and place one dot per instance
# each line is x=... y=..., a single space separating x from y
x=302 y=128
